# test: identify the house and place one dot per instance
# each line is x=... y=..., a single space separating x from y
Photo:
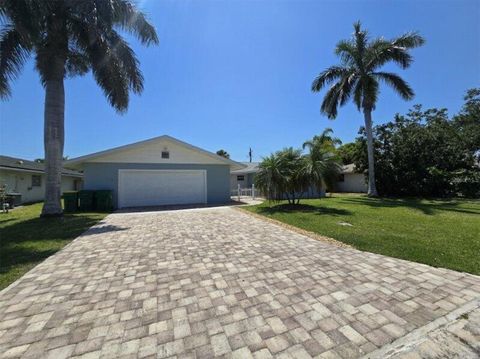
x=159 y=171
x=27 y=178
x=244 y=176
x=351 y=181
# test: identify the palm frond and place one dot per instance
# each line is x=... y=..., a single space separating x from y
x=14 y=51
x=129 y=18
x=308 y=144
x=347 y=52
x=347 y=84
x=409 y=40
x=77 y=63
x=328 y=76
x=329 y=105
x=370 y=90
x=126 y=57
x=397 y=83
x=358 y=95
x=361 y=39
x=109 y=74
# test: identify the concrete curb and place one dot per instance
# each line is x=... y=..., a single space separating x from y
x=415 y=337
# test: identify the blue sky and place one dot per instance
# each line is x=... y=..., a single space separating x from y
x=234 y=74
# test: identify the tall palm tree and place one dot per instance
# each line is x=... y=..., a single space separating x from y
x=359 y=75
x=69 y=38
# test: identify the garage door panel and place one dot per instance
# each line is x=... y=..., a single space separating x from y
x=161 y=187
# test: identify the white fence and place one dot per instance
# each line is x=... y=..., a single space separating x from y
x=245 y=192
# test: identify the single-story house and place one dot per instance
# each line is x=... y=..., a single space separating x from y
x=159 y=171
x=244 y=176
x=27 y=178
x=351 y=181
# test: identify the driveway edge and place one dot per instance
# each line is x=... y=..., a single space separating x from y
x=304 y=232
x=412 y=339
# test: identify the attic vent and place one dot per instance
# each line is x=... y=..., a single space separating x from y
x=165 y=154
x=20 y=162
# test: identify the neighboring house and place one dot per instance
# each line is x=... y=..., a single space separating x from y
x=351 y=181
x=158 y=171
x=28 y=178
x=244 y=176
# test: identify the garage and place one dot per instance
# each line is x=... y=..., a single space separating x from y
x=155 y=172
x=161 y=187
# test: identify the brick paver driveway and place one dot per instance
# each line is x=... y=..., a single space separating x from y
x=217 y=282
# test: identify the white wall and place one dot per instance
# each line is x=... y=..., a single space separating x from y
x=21 y=182
x=353 y=182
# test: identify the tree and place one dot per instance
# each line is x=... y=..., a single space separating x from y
x=347 y=152
x=467 y=122
x=280 y=176
x=322 y=162
x=287 y=174
x=223 y=153
x=69 y=38
x=424 y=153
x=359 y=76
x=323 y=141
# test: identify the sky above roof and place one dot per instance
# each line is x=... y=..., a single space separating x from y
x=237 y=74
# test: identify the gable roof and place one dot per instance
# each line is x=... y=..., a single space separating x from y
x=250 y=167
x=12 y=163
x=79 y=160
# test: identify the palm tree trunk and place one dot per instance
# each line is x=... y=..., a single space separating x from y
x=372 y=188
x=54 y=137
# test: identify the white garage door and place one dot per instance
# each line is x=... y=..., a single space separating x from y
x=160 y=187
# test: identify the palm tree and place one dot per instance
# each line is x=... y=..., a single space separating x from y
x=321 y=166
x=69 y=38
x=323 y=141
x=270 y=178
x=359 y=75
x=223 y=153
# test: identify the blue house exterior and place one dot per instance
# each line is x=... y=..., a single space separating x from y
x=159 y=171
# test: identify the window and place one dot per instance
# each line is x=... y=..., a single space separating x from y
x=36 y=181
x=341 y=178
x=165 y=154
x=240 y=178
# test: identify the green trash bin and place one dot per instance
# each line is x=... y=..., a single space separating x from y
x=86 y=200
x=104 y=200
x=70 y=201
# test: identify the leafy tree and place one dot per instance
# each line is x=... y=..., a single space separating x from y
x=467 y=122
x=424 y=153
x=359 y=76
x=70 y=38
x=223 y=153
x=347 y=152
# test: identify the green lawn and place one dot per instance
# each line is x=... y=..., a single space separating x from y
x=26 y=239
x=441 y=233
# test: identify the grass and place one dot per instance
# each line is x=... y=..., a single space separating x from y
x=441 y=233
x=26 y=239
